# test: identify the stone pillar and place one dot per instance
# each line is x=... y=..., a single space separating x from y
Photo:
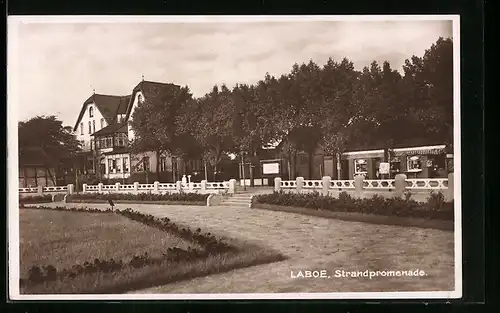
x=300 y=184
x=189 y=179
x=232 y=186
x=39 y=189
x=84 y=188
x=277 y=184
x=117 y=187
x=136 y=187
x=178 y=186
x=399 y=185
x=358 y=186
x=450 y=192
x=71 y=188
x=191 y=186
x=203 y=186
x=326 y=185
x=156 y=187
x=99 y=187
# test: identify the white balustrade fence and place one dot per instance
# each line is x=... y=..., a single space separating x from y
x=157 y=187
x=40 y=190
x=366 y=187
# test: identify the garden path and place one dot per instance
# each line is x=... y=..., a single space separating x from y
x=312 y=243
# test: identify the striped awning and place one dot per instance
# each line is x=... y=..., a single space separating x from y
x=424 y=151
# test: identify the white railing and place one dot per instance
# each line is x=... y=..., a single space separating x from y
x=313 y=184
x=342 y=184
x=28 y=190
x=157 y=187
x=166 y=186
x=378 y=183
x=55 y=188
x=218 y=185
x=288 y=184
x=427 y=183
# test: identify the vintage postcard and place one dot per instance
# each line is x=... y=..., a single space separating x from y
x=234 y=157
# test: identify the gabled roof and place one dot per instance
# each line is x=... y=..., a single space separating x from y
x=111 y=129
x=108 y=105
x=151 y=91
x=34 y=156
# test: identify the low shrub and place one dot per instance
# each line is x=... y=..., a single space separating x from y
x=211 y=245
x=35 y=199
x=144 y=196
x=434 y=208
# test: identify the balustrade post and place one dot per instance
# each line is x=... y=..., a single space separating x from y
x=84 y=188
x=358 y=185
x=99 y=187
x=40 y=189
x=450 y=192
x=156 y=187
x=71 y=188
x=326 y=184
x=232 y=186
x=136 y=187
x=117 y=187
x=277 y=184
x=399 y=185
x=178 y=186
x=300 y=184
x=203 y=186
x=191 y=185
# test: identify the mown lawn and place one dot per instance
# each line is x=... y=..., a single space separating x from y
x=64 y=239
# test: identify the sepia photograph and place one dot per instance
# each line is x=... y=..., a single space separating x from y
x=234 y=157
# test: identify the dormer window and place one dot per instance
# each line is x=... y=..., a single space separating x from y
x=91 y=112
x=139 y=98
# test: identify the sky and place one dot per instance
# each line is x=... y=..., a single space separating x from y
x=58 y=65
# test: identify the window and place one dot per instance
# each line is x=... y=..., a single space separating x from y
x=91 y=112
x=92 y=144
x=118 y=165
x=125 y=165
x=90 y=128
x=109 y=142
x=395 y=165
x=163 y=164
x=146 y=164
x=110 y=166
x=360 y=166
x=139 y=98
x=93 y=126
x=102 y=123
x=81 y=128
x=414 y=164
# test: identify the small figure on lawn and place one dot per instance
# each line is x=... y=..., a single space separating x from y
x=111 y=204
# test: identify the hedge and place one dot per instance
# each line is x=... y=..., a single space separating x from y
x=35 y=199
x=434 y=208
x=174 y=197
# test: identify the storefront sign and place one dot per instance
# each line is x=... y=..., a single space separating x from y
x=384 y=168
x=270 y=168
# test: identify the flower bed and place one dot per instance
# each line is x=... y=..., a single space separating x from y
x=173 y=198
x=205 y=255
x=35 y=199
x=434 y=208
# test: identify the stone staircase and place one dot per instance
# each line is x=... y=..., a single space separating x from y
x=242 y=198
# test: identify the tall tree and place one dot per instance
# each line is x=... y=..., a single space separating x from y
x=154 y=123
x=48 y=133
x=210 y=121
x=429 y=81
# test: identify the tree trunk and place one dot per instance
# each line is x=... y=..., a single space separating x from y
x=158 y=152
x=310 y=163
